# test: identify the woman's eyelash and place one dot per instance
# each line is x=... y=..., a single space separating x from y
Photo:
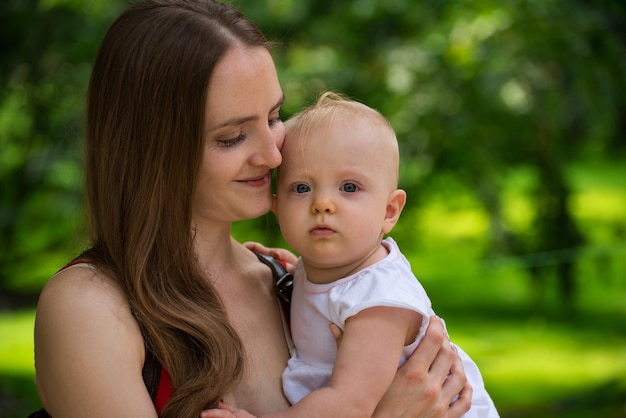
x=232 y=142
x=274 y=121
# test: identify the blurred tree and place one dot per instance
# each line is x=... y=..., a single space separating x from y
x=475 y=90
x=46 y=48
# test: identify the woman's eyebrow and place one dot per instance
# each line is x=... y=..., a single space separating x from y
x=241 y=120
x=280 y=102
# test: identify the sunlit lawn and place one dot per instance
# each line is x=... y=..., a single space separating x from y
x=533 y=364
x=538 y=360
x=542 y=365
x=17 y=389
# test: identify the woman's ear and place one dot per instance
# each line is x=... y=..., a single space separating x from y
x=395 y=204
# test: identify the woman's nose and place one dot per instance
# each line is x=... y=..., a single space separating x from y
x=268 y=153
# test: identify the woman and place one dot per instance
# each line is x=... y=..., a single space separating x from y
x=183 y=132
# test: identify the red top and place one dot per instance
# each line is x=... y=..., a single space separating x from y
x=164 y=393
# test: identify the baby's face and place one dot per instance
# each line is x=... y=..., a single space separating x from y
x=333 y=188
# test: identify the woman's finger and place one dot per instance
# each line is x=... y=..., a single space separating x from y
x=462 y=404
x=281 y=254
x=216 y=413
x=256 y=247
x=427 y=351
x=456 y=387
x=225 y=411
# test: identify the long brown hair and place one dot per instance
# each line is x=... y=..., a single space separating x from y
x=144 y=141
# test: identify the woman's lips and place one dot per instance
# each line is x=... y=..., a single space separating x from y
x=257 y=181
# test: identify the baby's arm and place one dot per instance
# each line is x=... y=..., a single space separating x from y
x=417 y=390
x=367 y=361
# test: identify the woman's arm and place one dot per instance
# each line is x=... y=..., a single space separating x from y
x=427 y=384
x=88 y=349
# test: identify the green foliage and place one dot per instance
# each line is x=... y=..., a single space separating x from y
x=45 y=61
x=477 y=91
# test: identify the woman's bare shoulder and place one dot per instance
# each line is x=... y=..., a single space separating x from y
x=84 y=328
x=82 y=292
x=81 y=280
x=83 y=297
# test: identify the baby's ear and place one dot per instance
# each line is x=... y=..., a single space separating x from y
x=395 y=204
x=274 y=203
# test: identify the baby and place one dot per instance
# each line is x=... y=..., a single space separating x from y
x=337 y=196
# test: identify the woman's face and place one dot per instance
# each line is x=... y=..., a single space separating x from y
x=243 y=137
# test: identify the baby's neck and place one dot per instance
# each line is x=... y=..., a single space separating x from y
x=329 y=274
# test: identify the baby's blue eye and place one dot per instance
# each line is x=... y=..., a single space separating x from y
x=349 y=187
x=301 y=188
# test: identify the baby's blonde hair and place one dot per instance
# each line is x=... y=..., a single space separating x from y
x=331 y=106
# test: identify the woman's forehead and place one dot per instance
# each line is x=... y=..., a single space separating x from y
x=244 y=85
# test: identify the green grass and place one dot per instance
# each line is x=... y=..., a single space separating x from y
x=541 y=364
x=537 y=360
x=16 y=344
x=534 y=364
x=18 y=394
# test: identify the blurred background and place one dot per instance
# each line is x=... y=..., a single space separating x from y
x=511 y=115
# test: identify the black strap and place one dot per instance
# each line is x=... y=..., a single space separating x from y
x=283 y=280
x=39 y=414
x=151 y=373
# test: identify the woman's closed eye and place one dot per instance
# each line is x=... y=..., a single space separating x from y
x=275 y=121
x=274 y=116
x=227 y=143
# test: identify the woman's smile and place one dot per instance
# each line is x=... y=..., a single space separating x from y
x=258 y=181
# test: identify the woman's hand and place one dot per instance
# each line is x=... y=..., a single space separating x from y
x=281 y=254
x=428 y=384
x=431 y=384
